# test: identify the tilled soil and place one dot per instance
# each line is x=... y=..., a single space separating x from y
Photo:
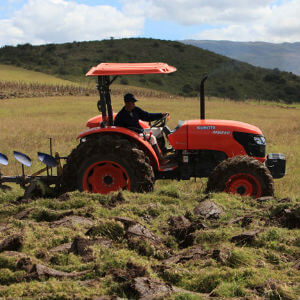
x=118 y=256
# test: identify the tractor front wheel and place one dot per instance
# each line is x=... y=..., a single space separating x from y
x=104 y=164
x=241 y=175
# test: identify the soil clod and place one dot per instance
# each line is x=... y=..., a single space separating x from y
x=116 y=199
x=187 y=255
x=182 y=229
x=287 y=217
x=23 y=214
x=245 y=237
x=12 y=243
x=38 y=271
x=147 y=288
x=71 y=220
x=208 y=209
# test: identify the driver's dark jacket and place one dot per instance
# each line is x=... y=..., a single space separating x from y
x=131 y=119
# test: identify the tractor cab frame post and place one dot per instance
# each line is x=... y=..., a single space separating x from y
x=104 y=104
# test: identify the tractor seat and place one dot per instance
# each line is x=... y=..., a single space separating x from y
x=156 y=131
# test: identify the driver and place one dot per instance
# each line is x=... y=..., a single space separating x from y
x=129 y=117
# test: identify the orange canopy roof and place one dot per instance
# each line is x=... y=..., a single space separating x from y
x=130 y=68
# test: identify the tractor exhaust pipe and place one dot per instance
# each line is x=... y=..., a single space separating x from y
x=202 y=98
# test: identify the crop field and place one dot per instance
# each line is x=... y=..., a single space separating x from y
x=165 y=244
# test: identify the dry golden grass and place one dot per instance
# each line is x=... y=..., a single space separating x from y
x=26 y=125
x=12 y=73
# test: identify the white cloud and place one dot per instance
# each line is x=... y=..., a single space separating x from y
x=188 y=12
x=47 y=21
x=57 y=21
x=243 y=20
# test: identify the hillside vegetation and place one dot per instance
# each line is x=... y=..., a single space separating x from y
x=228 y=78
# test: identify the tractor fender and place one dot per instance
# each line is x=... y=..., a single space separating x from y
x=144 y=145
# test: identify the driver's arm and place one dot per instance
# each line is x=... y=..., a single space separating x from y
x=145 y=116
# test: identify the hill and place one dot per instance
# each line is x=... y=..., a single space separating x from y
x=12 y=73
x=229 y=78
x=284 y=56
x=16 y=82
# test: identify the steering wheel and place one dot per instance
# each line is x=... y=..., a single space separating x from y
x=161 y=122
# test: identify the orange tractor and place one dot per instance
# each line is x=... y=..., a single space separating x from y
x=109 y=158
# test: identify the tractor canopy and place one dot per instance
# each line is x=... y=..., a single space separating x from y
x=130 y=69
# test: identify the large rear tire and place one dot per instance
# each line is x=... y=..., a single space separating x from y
x=103 y=164
x=241 y=175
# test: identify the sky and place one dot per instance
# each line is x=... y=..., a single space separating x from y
x=58 y=21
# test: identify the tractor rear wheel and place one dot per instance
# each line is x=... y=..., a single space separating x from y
x=241 y=175
x=103 y=164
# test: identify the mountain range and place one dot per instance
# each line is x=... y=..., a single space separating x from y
x=284 y=56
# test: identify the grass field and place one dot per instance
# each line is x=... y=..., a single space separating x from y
x=27 y=124
x=12 y=73
x=199 y=259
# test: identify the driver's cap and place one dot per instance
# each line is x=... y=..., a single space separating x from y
x=129 y=98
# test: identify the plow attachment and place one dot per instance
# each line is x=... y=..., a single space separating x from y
x=34 y=184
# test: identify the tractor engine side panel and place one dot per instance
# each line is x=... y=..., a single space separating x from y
x=178 y=137
x=218 y=135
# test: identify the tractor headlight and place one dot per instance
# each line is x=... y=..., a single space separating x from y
x=259 y=140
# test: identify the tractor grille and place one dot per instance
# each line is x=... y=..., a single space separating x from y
x=253 y=144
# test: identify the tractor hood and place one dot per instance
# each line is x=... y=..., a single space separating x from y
x=218 y=135
x=223 y=125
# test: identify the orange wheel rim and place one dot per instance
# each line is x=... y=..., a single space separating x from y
x=104 y=177
x=243 y=184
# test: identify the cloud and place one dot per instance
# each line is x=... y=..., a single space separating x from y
x=190 y=12
x=277 y=24
x=244 y=20
x=57 y=21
